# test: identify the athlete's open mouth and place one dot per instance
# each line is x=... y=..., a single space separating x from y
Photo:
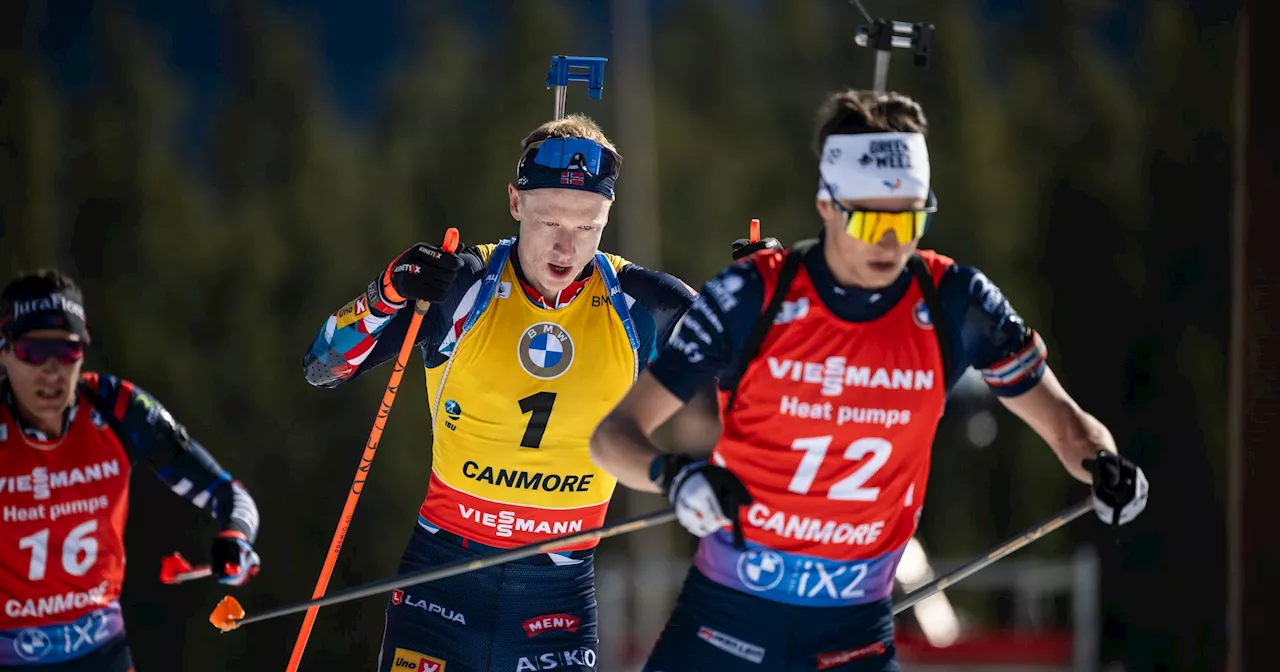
x=46 y=393
x=559 y=270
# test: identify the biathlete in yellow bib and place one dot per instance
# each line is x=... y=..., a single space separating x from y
x=528 y=343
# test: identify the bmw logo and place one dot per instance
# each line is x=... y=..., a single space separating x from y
x=32 y=644
x=760 y=569
x=920 y=315
x=452 y=409
x=545 y=350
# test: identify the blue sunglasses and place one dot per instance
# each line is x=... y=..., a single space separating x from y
x=588 y=155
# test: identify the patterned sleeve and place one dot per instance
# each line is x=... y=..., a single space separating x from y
x=657 y=300
x=153 y=437
x=368 y=331
x=991 y=336
x=707 y=339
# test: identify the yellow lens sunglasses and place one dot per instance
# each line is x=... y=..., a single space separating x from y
x=870 y=226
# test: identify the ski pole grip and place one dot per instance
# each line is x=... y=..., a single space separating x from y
x=449 y=245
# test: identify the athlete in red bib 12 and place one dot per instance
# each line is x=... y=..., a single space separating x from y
x=834 y=359
x=68 y=443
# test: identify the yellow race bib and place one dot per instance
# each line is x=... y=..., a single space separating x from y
x=514 y=408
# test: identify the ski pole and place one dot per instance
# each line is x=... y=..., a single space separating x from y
x=229 y=615
x=362 y=472
x=1009 y=546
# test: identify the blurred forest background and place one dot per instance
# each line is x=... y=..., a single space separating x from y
x=1082 y=159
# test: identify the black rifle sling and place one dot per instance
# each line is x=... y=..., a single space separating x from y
x=941 y=328
x=790 y=266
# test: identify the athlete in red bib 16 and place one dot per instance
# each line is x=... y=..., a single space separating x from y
x=68 y=444
x=834 y=358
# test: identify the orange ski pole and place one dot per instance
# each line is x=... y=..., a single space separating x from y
x=366 y=462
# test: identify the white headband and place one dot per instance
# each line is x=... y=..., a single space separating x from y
x=874 y=165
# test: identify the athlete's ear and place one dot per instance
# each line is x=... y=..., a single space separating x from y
x=513 y=197
x=824 y=209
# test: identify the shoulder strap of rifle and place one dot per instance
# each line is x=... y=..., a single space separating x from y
x=790 y=266
x=108 y=415
x=941 y=327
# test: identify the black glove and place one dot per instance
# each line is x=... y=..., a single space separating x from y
x=1119 y=487
x=232 y=559
x=743 y=248
x=424 y=272
x=705 y=496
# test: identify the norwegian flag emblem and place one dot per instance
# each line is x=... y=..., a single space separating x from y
x=571 y=177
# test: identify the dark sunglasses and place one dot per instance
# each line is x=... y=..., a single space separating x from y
x=37 y=351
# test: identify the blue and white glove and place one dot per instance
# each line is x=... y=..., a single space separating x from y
x=232 y=558
x=706 y=496
x=1119 y=488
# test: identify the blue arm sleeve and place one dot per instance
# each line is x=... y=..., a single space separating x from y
x=706 y=341
x=156 y=439
x=368 y=331
x=989 y=335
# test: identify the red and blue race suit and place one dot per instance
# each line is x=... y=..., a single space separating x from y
x=831 y=432
x=63 y=505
